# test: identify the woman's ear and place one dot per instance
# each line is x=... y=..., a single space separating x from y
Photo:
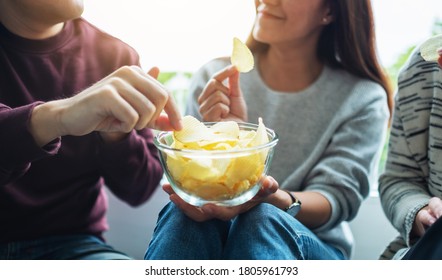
x=326 y=20
x=328 y=14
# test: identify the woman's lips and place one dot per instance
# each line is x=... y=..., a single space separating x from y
x=268 y=14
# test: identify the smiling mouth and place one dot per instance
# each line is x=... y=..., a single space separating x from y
x=268 y=15
x=265 y=13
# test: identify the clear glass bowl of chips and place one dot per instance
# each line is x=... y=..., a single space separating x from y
x=221 y=163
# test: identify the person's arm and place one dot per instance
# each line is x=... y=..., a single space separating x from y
x=428 y=215
x=347 y=167
x=129 y=163
x=315 y=209
x=403 y=187
x=18 y=147
x=121 y=107
x=125 y=100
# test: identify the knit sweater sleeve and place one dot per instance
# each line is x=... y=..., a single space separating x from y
x=348 y=165
x=403 y=187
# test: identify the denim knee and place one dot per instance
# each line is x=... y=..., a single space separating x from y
x=263 y=232
x=267 y=213
x=178 y=237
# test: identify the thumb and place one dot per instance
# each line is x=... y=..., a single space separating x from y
x=154 y=72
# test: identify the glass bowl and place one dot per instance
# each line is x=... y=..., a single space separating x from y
x=222 y=177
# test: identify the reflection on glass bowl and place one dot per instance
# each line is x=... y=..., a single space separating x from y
x=223 y=177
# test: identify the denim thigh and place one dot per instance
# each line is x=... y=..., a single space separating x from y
x=68 y=247
x=263 y=232
x=267 y=233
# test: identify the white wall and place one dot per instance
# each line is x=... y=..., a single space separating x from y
x=131 y=228
x=372 y=231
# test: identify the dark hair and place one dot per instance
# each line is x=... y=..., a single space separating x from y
x=348 y=42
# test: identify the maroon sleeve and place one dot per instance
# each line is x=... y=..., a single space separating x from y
x=17 y=146
x=131 y=167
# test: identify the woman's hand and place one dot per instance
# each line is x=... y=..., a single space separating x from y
x=219 y=102
x=427 y=216
x=125 y=100
x=211 y=211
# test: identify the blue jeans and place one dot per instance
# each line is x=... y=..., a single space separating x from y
x=70 y=247
x=263 y=233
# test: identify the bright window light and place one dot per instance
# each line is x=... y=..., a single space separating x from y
x=175 y=35
x=182 y=35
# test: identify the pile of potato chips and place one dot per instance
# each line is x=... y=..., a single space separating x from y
x=216 y=169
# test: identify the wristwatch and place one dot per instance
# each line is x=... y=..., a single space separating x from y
x=294 y=208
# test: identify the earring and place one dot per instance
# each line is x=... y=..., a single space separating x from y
x=324 y=20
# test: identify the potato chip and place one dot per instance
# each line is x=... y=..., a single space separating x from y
x=227 y=129
x=244 y=169
x=227 y=176
x=193 y=131
x=211 y=191
x=241 y=57
x=195 y=135
x=429 y=49
x=261 y=138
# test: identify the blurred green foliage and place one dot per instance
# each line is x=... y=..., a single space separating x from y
x=178 y=84
x=164 y=77
x=393 y=70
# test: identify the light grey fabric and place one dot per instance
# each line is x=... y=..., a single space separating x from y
x=413 y=171
x=331 y=135
x=395 y=250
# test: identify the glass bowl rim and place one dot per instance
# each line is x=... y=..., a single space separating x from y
x=270 y=144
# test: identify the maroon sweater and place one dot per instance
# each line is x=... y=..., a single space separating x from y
x=58 y=189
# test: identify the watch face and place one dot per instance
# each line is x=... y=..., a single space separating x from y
x=293 y=209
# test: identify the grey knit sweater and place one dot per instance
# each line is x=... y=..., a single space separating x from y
x=330 y=134
x=413 y=171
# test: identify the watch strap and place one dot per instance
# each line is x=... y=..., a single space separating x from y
x=293 y=197
x=294 y=208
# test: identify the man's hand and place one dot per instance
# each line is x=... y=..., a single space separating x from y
x=125 y=100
